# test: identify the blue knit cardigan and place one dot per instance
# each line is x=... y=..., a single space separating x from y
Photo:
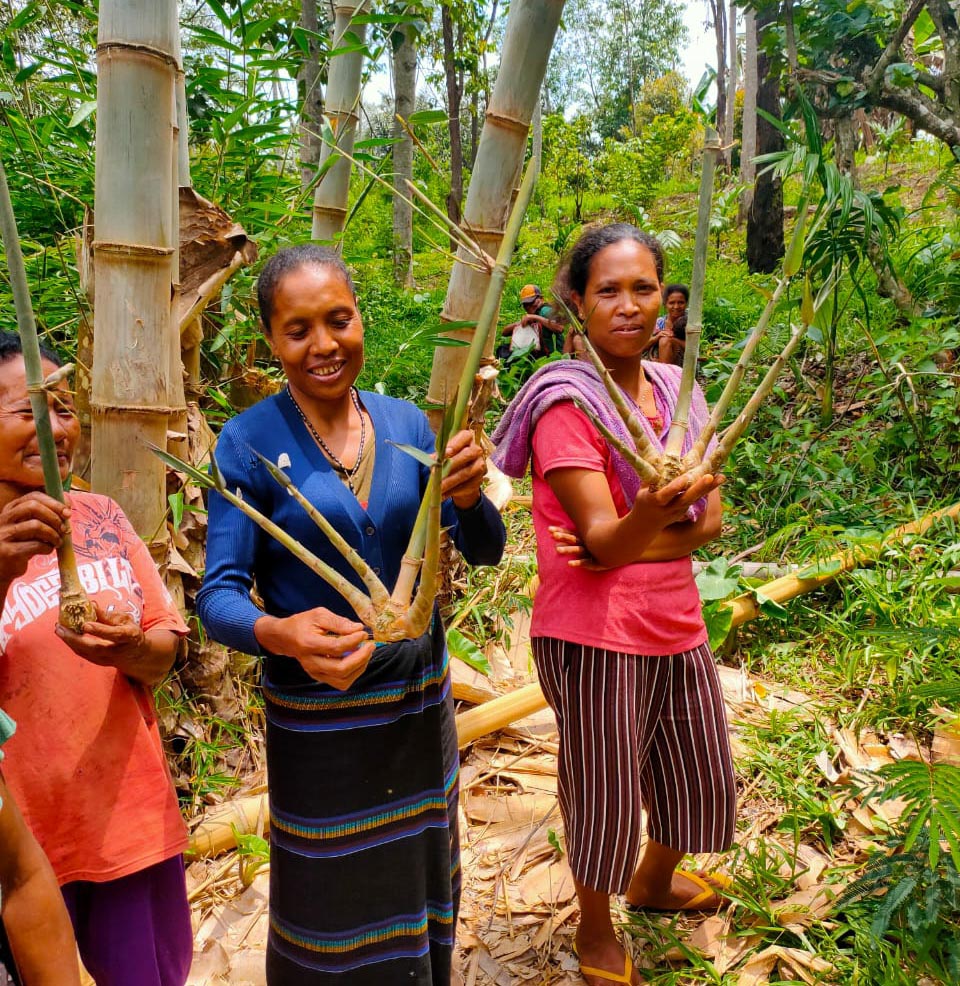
x=239 y=552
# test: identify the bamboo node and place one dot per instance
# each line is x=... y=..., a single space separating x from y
x=509 y=122
x=108 y=47
x=97 y=407
x=332 y=211
x=132 y=250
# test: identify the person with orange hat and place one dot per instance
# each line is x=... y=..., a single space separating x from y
x=537 y=333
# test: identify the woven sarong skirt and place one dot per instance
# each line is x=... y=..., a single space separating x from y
x=365 y=863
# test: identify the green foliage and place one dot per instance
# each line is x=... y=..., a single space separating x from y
x=607 y=55
x=636 y=167
x=910 y=892
x=569 y=150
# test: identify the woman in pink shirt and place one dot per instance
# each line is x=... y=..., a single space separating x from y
x=619 y=642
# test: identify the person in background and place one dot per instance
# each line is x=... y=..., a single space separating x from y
x=669 y=337
x=538 y=332
x=86 y=765
x=34 y=915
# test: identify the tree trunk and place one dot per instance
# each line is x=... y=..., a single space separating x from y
x=728 y=116
x=720 y=30
x=311 y=94
x=474 y=127
x=765 y=218
x=404 y=88
x=748 y=147
x=530 y=31
x=134 y=251
x=455 y=198
x=343 y=100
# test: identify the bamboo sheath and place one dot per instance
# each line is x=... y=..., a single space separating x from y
x=134 y=254
x=217 y=831
x=500 y=712
x=343 y=98
x=531 y=26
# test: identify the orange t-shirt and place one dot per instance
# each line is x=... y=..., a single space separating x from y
x=86 y=765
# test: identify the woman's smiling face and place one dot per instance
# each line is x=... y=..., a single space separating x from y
x=316 y=332
x=20 y=466
x=621 y=300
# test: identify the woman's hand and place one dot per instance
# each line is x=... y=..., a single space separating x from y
x=612 y=540
x=30 y=525
x=116 y=640
x=113 y=639
x=466 y=471
x=330 y=648
x=658 y=509
x=569 y=544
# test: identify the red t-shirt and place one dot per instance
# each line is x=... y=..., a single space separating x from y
x=649 y=608
x=86 y=766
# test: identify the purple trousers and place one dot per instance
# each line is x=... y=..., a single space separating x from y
x=134 y=931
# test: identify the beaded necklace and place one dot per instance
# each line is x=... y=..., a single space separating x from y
x=348 y=474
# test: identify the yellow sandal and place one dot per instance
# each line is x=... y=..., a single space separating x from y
x=611 y=977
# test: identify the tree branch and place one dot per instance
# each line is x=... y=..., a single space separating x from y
x=917 y=108
x=873 y=80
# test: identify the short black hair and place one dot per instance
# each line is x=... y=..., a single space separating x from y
x=288 y=260
x=680 y=328
x=676 y=289
x=11 y=347
x=574 y=272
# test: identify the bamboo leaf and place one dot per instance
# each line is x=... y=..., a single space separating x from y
x=176 y=508
x=81 y=113
x=203 y=479
x=424 y=458
x=427 y=117
x=376 y=142
x=818 y=569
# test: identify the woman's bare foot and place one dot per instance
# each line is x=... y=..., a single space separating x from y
x=683 y=893
x=607 y=955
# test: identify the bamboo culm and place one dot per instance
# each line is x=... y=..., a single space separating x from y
x=75 y=608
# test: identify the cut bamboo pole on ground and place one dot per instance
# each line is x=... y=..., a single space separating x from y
x=501 y=712
x=218 y=830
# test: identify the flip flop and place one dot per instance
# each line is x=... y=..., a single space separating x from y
x=718 y=881
x=611 y=977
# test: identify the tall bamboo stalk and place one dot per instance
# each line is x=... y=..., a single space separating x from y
x=531 y=27
x=404 y=62
x=343 y=99
x=177 y=399
x=134 y=252
x=75 y=608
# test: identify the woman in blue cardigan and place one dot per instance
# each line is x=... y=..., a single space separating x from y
x=361 y=743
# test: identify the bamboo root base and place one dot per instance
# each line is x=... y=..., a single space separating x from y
x=75 y=611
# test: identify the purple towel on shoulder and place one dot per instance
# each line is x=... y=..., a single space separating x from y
x=566 y=380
